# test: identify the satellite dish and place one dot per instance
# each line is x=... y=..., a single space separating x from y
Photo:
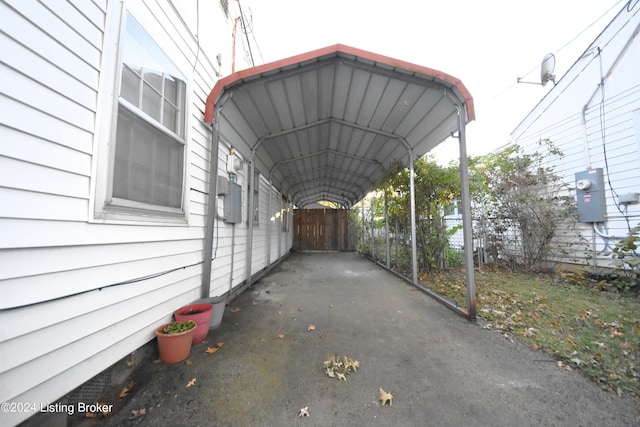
x=546 y=69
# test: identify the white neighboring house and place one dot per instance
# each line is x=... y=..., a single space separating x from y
x=105 y=174
x=593 y=116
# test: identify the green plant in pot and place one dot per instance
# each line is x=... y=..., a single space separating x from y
x=174 y=340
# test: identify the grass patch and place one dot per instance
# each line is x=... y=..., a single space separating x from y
x=583 y=327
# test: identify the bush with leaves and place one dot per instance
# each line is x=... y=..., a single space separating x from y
x=435 y=188
x=522 y=203
x=626 y=252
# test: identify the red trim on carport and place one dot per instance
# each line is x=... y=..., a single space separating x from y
x=287 y=62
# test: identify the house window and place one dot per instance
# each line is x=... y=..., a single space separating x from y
x=148 y=160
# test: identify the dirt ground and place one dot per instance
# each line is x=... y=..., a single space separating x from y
x=441 y=369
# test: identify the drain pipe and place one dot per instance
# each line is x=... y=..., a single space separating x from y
x=211 y=207
x=233 y=252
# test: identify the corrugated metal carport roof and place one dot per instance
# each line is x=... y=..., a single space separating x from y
x=329 y=124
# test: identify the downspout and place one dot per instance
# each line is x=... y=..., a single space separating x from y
x=211 y=207
x=466 y=216
x=250 y=185
x=412 y=191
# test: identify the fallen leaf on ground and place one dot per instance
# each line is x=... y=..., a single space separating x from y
x=219 y=344
x=235 y=310
x=321 y=335
x=125 y=391
x=131 y=362
x=311 y=328
x=280 y=336
x=192 y=382
x=188 y=362
x=138 y=412
x=385 y=397
x=211 y=349
x=303 y=412
x=158 y=360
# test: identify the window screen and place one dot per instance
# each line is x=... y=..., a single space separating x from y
x=149 y=159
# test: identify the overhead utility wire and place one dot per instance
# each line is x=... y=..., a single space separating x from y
x=244 y=28
x=502 y=92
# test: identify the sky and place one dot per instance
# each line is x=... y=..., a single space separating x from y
x=486 y=44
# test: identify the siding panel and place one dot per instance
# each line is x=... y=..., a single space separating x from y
x=40 y=70
x=84 y=39
x=34 y=289
x=21 y=146
x=50 y=49
x=23 y=118
x=27 y=176
x=44 y=99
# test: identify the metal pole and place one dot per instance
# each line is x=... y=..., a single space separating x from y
x=466 y=217
x=250 y=185
x=363 y=228
x=386 y=228
x=269 y=225
x=414 y=250
x=211 y=209
x=373 y=239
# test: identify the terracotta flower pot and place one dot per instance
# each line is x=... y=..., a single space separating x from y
x=176 y=347
x=199 y=313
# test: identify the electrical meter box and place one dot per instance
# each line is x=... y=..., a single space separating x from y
x=592 y=202
x=233 y=204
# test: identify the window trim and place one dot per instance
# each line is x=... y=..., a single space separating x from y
x=105 y=207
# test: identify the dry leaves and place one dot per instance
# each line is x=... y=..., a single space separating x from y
x=303 y=412
x=188 y=362
x=191 y=383
x=339 y=368
x=311 y=328
x=212 y=350
x=281 y=336
x=385 y=397
x=138 y=413
x=125 y=391
x=235 y=310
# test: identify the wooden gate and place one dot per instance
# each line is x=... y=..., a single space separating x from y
x=322 y=230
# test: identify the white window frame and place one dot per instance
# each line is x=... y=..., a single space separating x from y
x=107 y=208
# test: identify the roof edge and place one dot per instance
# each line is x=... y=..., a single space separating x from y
x=231 y=79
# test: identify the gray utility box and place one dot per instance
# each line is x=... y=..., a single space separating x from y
x=233 y=204
x=592 y=201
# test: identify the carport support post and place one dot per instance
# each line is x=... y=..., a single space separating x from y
x=412 y=196
x=373 y=240
x=211 y=209
x=386 y=227
x=269 y=225
x=466 y=216
x=250 y=186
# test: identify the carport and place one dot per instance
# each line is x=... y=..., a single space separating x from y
x=332 y=123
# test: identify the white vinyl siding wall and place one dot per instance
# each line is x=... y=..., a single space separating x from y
x=70 y=283
x=609 y=124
